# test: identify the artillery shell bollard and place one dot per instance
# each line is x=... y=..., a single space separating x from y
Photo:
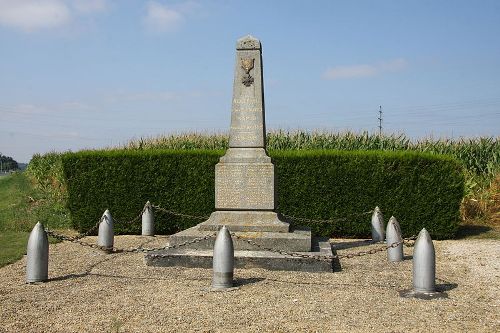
x=148 y=222
x=424 y=269
x=223 y=261
x=37 y=266
x=393 y=235
x=378 y=234
x=106 y=234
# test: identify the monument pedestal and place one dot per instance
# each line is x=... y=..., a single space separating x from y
x=251 y=258
x=295 y=241
x=261 y=221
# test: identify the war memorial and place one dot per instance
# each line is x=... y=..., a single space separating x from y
x=245 y=191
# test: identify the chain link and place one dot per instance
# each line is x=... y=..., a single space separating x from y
x=157 y=207
x=129 y=250
x=323 y=257
x=340 y=219
x=91 y=230
x=135 y=219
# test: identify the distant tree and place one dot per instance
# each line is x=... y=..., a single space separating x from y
x=7 y=163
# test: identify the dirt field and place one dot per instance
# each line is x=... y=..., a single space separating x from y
x=90 y=291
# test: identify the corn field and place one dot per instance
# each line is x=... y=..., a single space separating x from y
x=480 y=156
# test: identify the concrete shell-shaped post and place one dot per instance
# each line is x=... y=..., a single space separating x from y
x=106 y=234
x=424 y=264
x=37 y=266
x=223 y=260
x=393 y=235
x=148 y=222
x=378 y=233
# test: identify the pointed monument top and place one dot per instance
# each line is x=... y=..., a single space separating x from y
x=248 y=43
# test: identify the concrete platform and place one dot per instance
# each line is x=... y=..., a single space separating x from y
x=298 y=240
x=246 y=259
x=265 y=221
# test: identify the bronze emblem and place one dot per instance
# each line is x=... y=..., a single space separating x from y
x=247 y=65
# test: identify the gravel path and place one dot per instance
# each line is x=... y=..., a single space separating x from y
x=91 y=291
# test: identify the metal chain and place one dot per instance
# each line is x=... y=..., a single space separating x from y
x=135 y=219
x=179 y=214
x=130 y=250
x=340 y=219
x=91 y=230
x=320 y=257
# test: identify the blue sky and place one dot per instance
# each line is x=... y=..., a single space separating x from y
x=92 y=73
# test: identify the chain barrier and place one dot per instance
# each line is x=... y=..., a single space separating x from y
x=130 y=222
x=171 y=212
x=137 y=218
x=330 y=221
x=409 y=242
x=91 y=230
x=129 y=250
x=323 y=257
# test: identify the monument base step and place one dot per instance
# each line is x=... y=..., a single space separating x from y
x=294 y=241
x=202 y=258
x=267 y=221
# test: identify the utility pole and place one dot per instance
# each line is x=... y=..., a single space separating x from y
x=380 y=126
x=380 y=121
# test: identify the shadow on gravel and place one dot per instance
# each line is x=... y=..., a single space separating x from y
x=334 y=285
x=238 y=282
x=441 y=287
x=87 y=272
x=445 y=285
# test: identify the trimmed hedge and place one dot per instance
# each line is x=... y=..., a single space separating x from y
x=421 y=190
x=182 y=181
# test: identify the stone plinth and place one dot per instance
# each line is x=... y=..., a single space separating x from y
x=295 y=241
x=245 y=221
x=251 y=258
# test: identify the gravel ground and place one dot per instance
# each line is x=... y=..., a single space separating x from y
x=90 y=291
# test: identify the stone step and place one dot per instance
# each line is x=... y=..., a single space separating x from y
x=296 y=241
x=246 y=259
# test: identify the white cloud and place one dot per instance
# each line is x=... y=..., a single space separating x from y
x=167 y=18
x=30 y=15
x=90 y=6
x=364 y=70
x=162 y=18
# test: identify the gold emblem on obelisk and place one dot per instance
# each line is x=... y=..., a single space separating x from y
x=247 y=65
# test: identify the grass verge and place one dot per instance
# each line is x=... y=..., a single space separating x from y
x=21 y=206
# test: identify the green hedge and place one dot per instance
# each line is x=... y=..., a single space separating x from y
x=421 y=190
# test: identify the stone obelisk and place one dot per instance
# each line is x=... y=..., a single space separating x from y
x=245 y=193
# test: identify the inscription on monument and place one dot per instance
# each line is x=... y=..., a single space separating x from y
x=244 y=186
